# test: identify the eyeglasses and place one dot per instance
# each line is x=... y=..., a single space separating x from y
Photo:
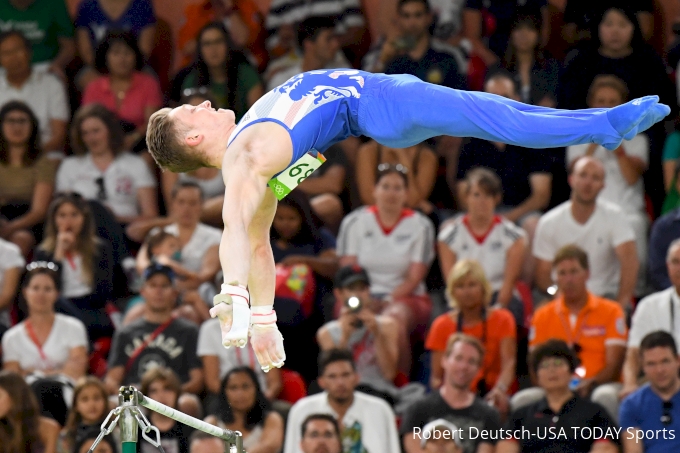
x=42 y=265
x=391 y=167
x=554 y=362
x=666 y=417
x=101 y=192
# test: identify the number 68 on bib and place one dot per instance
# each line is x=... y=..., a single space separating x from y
x=291 y=177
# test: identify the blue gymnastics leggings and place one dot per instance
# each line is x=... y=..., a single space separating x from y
x=401 y=111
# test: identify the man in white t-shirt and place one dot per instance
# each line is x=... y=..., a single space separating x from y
x=11 y=267
x=617 y=190
x=596 y=226
x=658 y=311
x=117 y=187
x=367 y=423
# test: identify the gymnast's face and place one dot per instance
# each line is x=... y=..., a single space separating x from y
x=201 y=121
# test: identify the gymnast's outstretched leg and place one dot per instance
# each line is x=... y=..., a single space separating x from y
x=406 y=111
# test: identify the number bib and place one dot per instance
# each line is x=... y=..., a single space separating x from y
x=289 y=179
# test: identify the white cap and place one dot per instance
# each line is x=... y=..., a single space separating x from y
x=441 y=425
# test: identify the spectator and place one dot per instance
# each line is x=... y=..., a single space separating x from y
x=22 y=429
x=200 y=442
x=664 y=231
x=284 y=14
x=95 y=19
x=618 y=49
x=594 y=225
x=374 y=340
x=46 y=343
x=579 y=17
x=419 y=162
x=242 y=18
x=488 y=25
x=296 y=239
x=87 y=438
x=415 y=52
x=525 y=173
x=244 y=408
x=454 y=401
x=230 y=79
x=317 y=40
x=320 y=433
x=88 y=412
x=103 y=170
x=26 y=177
x=535 y=73
x=494 y=242
x=85 y=263
x=671 y=170
x=162 y=384
x=553 y=363
x=366 y=422
x=440 y=436
x=218 y=361
x=48 y=27
x=623 y=168
x=199 y=242
x=656 y=406
x=123 y=89
x=469 y=295
x=44 y=93
x=596 y=331
x=139 y=346
x=655 y=312
x=11 y=267
x=396 y=247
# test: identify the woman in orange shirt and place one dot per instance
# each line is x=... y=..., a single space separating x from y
x=469 y=294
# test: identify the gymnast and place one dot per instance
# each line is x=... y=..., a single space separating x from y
x=280 y=141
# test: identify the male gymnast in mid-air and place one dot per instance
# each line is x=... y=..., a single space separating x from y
x=281 y=139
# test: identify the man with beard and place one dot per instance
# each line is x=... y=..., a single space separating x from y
x=594 y=225
x=655 y=406
x=454 y=402
x=320 y=434
x=367 y=423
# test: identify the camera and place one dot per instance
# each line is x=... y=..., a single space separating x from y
x=354 y=304
x=405 y=43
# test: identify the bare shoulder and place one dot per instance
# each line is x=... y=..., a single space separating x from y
x=264 y=148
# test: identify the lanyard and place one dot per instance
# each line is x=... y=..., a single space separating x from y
x=34 y=339
x=672 y=315
x=148 y=341
x=567 y=328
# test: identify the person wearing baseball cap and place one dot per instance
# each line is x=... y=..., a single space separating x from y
x=440 y=436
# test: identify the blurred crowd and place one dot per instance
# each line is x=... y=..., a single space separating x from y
x=452 y=285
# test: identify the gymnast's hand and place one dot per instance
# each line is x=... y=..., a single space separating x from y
x=232 y=309
x=267 y=341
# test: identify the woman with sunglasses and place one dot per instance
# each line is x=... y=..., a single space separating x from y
x=85 y=262
x=419 y=163
x=560 y=408
x=396 y=247
x=104 y=171
x=26 y=177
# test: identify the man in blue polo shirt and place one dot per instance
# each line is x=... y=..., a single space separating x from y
x=650 y=417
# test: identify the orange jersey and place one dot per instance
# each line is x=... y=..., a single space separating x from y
x=197 y=15
x=500 y=324
x=600 y=323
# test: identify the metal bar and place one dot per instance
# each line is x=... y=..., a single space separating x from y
x=224 y=434
x=129 y=427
